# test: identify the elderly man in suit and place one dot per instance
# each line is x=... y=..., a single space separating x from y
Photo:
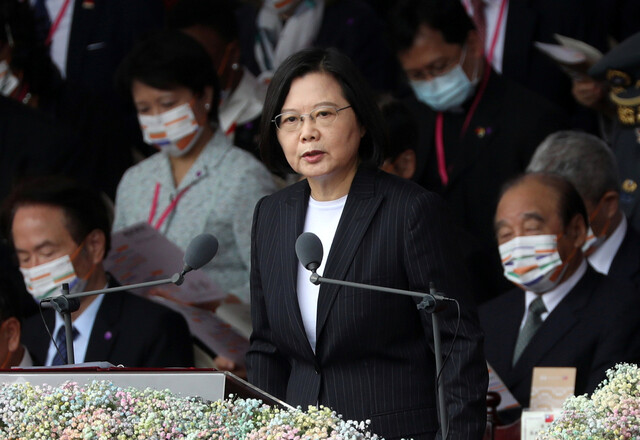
x=586 y=161
x=60 y=232
x=563 y=313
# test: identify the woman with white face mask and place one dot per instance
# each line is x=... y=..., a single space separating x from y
x=197 y=182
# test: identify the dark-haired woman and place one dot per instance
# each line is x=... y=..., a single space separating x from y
x=365 y=354
x=197 y=182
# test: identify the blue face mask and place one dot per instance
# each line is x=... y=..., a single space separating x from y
x=446 y=91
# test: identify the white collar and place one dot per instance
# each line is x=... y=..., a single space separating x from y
x=554 y=296
x=244 y=104
x=604 y=254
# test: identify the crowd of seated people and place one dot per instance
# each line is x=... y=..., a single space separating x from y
x=116 y=112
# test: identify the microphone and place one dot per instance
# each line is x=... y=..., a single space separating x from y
x=200 y=251
x=309 y=252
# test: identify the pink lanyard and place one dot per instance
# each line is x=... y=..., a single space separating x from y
x=170 y=208
x=442 y=164
x=56 y=23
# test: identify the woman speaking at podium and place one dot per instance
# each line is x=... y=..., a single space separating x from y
x=365 y=354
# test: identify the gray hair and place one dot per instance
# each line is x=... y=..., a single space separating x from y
x=583 y=159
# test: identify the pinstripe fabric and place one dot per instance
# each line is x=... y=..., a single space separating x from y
x=374 y=357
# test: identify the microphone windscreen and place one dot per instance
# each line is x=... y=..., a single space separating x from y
x=309 y=250
x=200 y=251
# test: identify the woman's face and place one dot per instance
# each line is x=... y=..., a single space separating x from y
x=150 y=101
x=315 y=151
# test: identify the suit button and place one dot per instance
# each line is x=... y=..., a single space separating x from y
x=317 y=370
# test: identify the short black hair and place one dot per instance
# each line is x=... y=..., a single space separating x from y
x=167 y=60
x=29 y=55
x=447 y=16
x=218 y=15
x=9 y=299
x=354 y=88
x=402 y=127
x=569 y=199
x=84 y=208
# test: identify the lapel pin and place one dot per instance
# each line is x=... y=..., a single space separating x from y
x=629 y=186
x=482 y=131
x=108 y=335
x=88 y=4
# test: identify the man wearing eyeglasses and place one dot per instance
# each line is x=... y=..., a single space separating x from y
x=476 y=128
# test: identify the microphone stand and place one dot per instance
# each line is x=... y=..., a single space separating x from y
x=68 y=303
x=431 y=303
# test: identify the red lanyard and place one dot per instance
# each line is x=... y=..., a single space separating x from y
x=442 y=165
x=170 y=208
x=56 y=23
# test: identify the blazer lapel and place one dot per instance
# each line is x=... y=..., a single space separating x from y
x=507 y=334
x=362 y=204
x=293 y=211
x=105 y=328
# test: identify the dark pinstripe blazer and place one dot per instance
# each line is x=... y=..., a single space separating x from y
x=374 y=357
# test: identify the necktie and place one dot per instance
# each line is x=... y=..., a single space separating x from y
x=61 y=341
x=42 y=19
x=479 y=19
x=531 y=325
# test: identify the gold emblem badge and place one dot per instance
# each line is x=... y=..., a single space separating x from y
x=629 y=186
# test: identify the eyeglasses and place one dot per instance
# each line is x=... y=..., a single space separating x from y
x=436 y=69
x=323 y=116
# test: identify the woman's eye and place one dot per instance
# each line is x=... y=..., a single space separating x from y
x=323 y=113
x=168 y=104
x=290 y=120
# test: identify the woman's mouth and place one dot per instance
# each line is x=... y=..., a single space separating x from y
x=313 y=156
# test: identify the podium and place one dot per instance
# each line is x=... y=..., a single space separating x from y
x=207 y=383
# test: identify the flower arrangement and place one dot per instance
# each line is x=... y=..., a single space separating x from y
x=612 y=411
x=101 y=410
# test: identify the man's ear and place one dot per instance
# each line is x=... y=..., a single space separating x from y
x=11 y=331
x=405 y=164
x=95 y=244
x=475 y=46
x=611 y=203
x=577 y=231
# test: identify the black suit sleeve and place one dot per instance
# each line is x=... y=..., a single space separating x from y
x=171 y=346
x=432 y=254
x=266 y=367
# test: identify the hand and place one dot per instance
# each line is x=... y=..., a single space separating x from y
x=225 y=364
x=589 y=92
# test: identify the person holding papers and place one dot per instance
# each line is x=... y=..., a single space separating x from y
x=365 y=354
x=198 y=181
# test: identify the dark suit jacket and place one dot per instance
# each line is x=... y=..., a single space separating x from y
x=529 y=21
x=626 y=263
x=102 y=33
x=350 y=26
x=503 y=133
x=595 y=326
x=128 y=330
x=374 y=356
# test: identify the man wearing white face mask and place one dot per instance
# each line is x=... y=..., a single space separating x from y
x=60 y=232
x=477 y=129
x=612 y=247
x=563 y=313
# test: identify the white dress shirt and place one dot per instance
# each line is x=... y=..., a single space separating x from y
x=554 y=296
x=604 y=254
x=83 y=324
x=491 y=15
x=60 y=40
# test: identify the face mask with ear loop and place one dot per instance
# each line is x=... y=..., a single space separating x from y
x=175 y=131
x=45 y=280
x=593 y=241
x=533 y=262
